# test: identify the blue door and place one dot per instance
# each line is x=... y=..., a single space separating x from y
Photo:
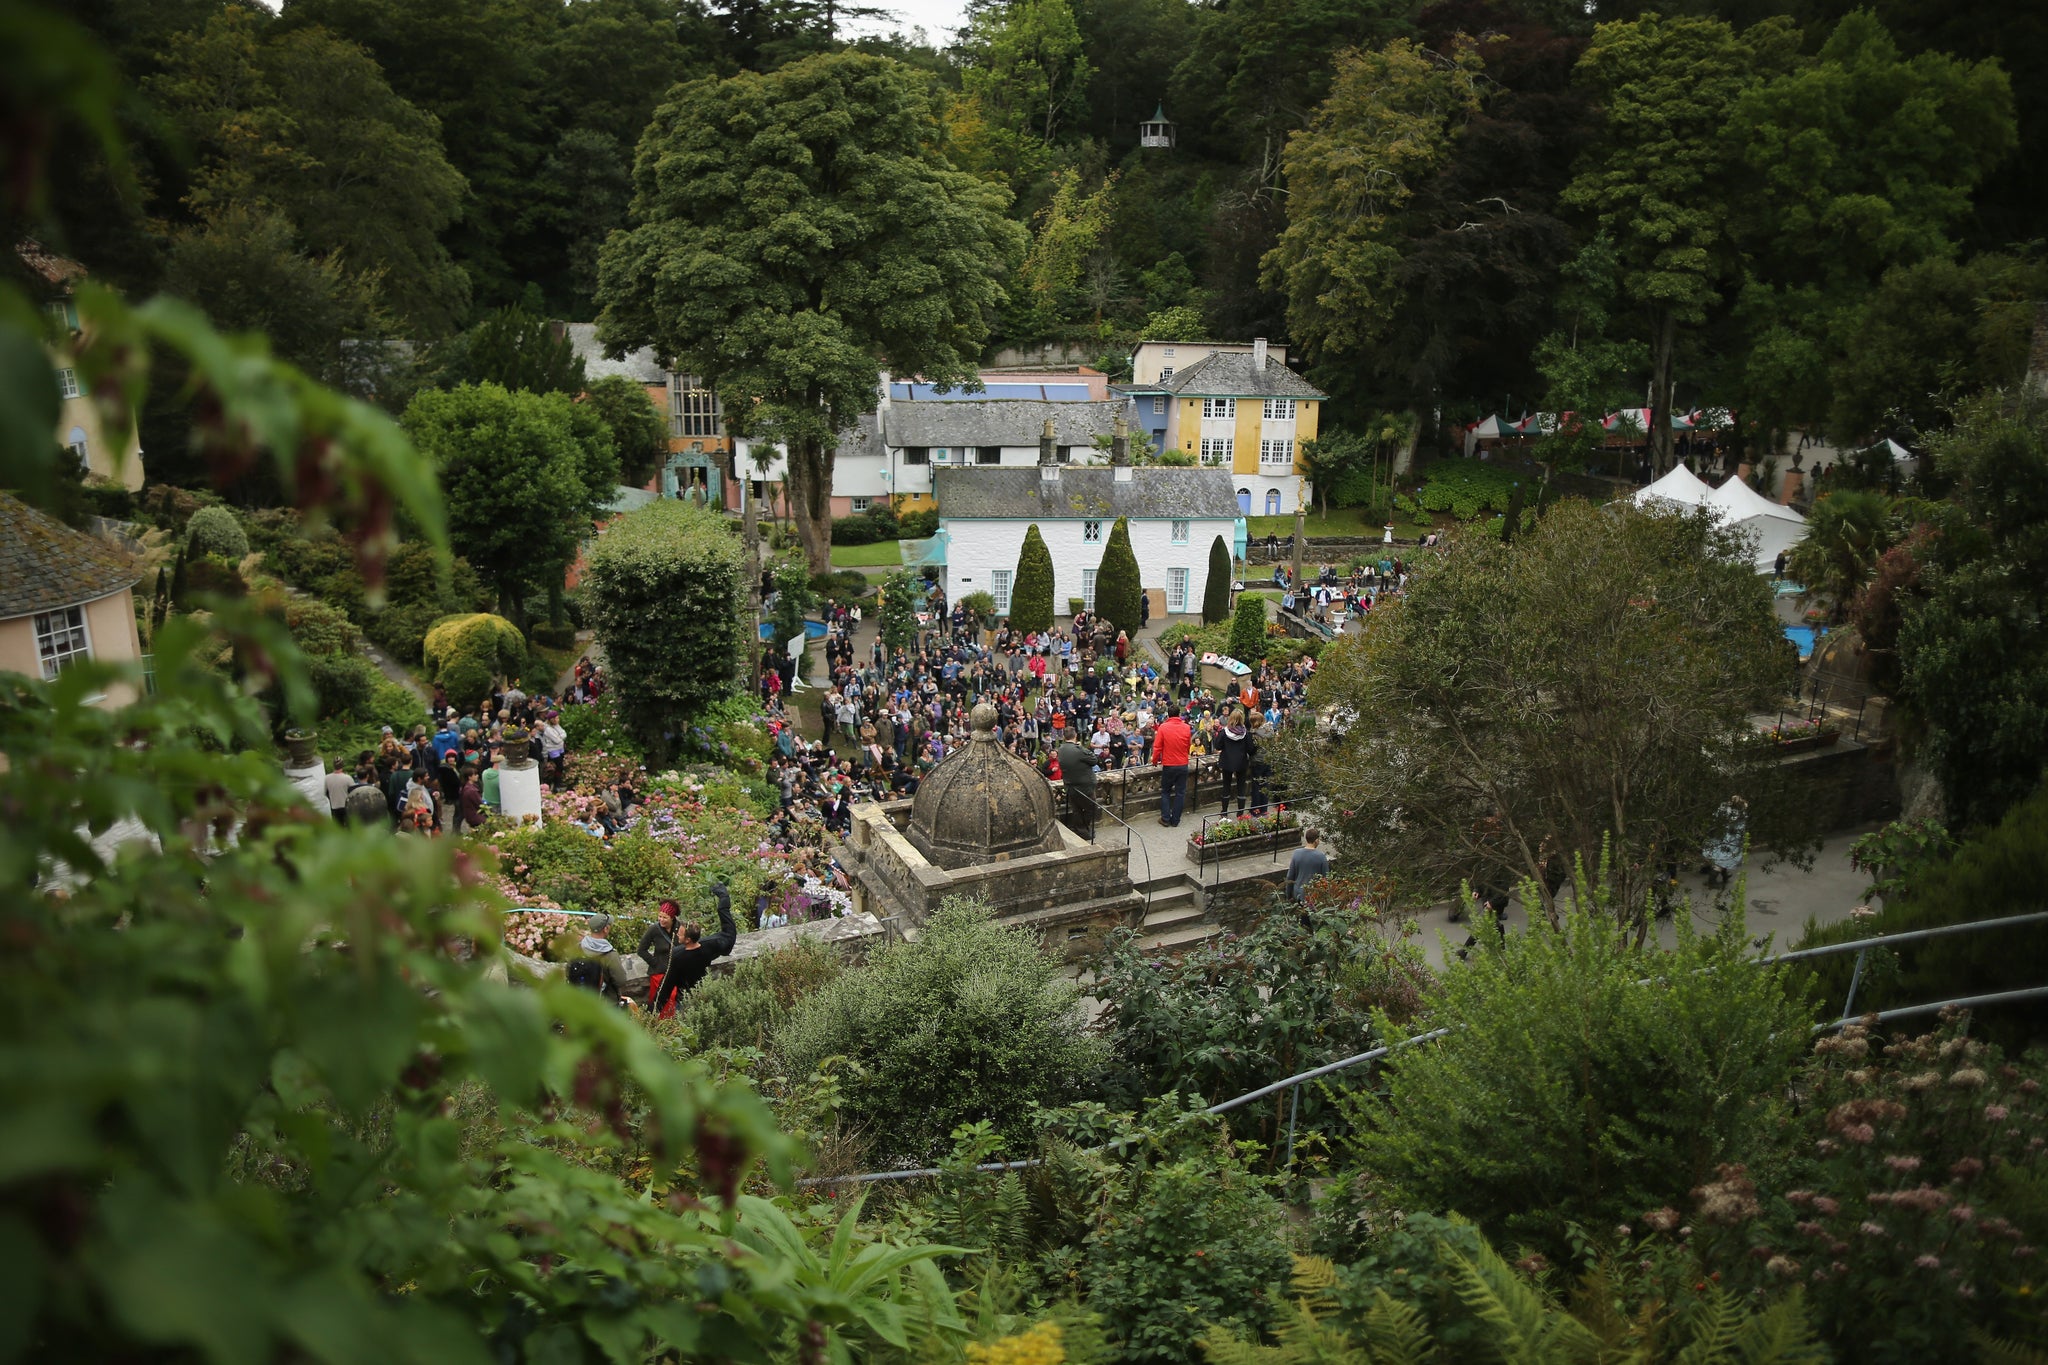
x=1244 y=502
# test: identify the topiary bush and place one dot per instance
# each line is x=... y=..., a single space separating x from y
x=1031 y=594
x=1216 y=592
x=1248 y=629
x=1117 y=589
x=465 y=654
x=972 y=1021
x=214 y=531
x=1465 y=488
x=920 y=525
x=550 y=636
x=664 y=599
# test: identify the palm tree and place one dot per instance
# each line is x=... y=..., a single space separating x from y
x=1848 y=532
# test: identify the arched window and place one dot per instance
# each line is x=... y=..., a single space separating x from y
x=76 y=442
x=1244 y=501
x=1272 y=502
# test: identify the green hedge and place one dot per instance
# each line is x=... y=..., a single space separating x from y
x=1465 y=488
x=1248 y=629
x=1031 y=596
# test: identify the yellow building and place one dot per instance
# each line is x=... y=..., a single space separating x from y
x=108 y=457
x=1248 y=413
x=64 y=596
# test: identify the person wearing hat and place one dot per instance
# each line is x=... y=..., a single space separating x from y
x=596 y=965
x=691 y=960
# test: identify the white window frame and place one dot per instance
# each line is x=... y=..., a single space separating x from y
x=67 y=382
x=1179 y=531
x=916 y=455
x=1168 y=353
x=1221 y=450
x=1177 y=590
x=62 y=637
x=988 y=455
x=1276 y=451
x=65 y=311
x=1159 y=405
x=1088 y=589
x=692 y=409
x=1219 y=407
x=1091 y=533
x=999 y=588
x=862 y=504
x=1279 y=409
x=1165 y=373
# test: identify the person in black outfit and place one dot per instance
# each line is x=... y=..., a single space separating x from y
x=691 y=961
x=1077 y=773
x=1234 y=754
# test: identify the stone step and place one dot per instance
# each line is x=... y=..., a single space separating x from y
x=1171 y=916
x=1178 y=941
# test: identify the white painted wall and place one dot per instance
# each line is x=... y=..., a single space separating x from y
x=975 y=549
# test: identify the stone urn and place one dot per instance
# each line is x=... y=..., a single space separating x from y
x=515 y=747
x=303 y=746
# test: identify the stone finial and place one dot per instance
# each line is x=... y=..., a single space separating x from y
x=982 y=720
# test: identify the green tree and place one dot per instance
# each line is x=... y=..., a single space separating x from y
x=639 y=435
x=1589 y=369
x=1117 y=588
x=1066 y=236
x=1031 y=607
x=1388 y=124
x=665 y=601
x=1024 y=77
x=1634 y=1072
x=1178 y=323
x=902 y=594
x=303 y=124
x=246 y=268
x=514 y=474
x=1332 y=459
x=1248 y=629
x=791 y=582
x=1656 y=178
x=515 y=349
x=1216 y=591
x=1847 y=533
x=793 y=233
x=1973 y=654
x=972 y=1021
x=1533 y=705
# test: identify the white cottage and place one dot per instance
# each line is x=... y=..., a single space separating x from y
x=1175 y=515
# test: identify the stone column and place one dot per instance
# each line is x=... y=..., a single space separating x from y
x=519 y=788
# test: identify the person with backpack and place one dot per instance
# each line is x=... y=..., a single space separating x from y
x=597 y=965
x=691 y=961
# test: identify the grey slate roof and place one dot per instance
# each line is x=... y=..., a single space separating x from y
x=639 y=366
x=1227 y=375
x=44 y=564
x=1001 y=422
x=980 y=493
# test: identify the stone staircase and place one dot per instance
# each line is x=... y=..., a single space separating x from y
x=1175 y=919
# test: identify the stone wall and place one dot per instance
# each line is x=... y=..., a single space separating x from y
x=1846 y=784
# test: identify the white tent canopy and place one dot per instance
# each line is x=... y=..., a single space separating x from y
x=1775 y=528
x=1680 y=487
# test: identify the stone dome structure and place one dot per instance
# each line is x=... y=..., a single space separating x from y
x=982 y=804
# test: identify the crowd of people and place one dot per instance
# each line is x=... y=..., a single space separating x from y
x=447 y=780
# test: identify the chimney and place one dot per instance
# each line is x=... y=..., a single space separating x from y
x=1048 y=458
x=1258 y=355
x=1120 y=443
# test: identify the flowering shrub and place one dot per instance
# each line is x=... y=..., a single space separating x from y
x=1245 y=826
x=1910 y=1206
x=534 y=931
x=1792 y=732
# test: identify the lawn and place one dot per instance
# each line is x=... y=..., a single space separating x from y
x=883 y=554
x=1342 y=521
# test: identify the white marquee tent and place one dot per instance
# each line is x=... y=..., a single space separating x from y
x=1734 y=504
x=1775 y=528
x=1681 y=487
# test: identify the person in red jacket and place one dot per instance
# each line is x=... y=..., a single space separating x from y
x=1170 y=752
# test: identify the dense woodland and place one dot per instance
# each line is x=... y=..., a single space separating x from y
x=1815 y=214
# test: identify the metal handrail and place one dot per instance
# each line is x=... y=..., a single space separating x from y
x=1131 y=840
x=1861 y=947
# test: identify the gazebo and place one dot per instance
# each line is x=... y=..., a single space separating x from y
x=1156 y=131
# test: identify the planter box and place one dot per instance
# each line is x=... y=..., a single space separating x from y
x=1805 y=742
x=1205 y=854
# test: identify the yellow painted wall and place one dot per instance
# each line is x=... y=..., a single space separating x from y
x=1244 y=455
x=914 y=502
x=100 y=454
x=1305 y=419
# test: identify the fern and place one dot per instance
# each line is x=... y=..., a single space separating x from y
x=1783 y=1335
x=1525 y=1327
x=1713 y=1327
x=2004 y=1351
x=1396 y=1333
